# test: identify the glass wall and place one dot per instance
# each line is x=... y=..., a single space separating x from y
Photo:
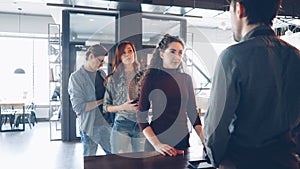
x=154 y=29
x=84 y=29
x=92 y=27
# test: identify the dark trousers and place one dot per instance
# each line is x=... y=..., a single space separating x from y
x=278 y=154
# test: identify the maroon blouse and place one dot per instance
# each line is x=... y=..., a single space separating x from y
x=172 y=97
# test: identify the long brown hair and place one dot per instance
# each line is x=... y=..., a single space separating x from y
x=117 y=60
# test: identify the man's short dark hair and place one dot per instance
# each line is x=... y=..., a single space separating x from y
x=260 y=11
x=96 y=50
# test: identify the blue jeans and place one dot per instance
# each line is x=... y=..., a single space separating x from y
x=90 y=147
x=126 y=137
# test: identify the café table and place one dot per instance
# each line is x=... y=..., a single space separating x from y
x=11 y=110
x=144 y=160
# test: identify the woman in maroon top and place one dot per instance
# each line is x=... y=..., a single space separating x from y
x=170 y=92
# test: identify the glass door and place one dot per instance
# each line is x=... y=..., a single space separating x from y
x=81 y=29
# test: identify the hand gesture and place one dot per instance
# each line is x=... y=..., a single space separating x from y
x=129 y=106
x=165 y=149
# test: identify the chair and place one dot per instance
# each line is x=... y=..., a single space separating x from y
x=30 y=116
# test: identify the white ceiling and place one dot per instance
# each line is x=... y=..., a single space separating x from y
x=36 y=7
x=39 y=7
x=206 y=18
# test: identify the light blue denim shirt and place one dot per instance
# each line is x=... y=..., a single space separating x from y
x=117 y=94
x=82 y=90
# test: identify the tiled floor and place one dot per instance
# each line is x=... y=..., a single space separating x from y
x=32 y=149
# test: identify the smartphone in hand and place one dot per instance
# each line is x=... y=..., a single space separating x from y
x=135 y=101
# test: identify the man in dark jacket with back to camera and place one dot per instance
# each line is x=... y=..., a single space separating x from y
x=255 y=97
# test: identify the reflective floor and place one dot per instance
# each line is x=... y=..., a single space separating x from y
x=32 y=149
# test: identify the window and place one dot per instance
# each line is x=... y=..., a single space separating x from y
x=92 y=27
x=31 y=55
